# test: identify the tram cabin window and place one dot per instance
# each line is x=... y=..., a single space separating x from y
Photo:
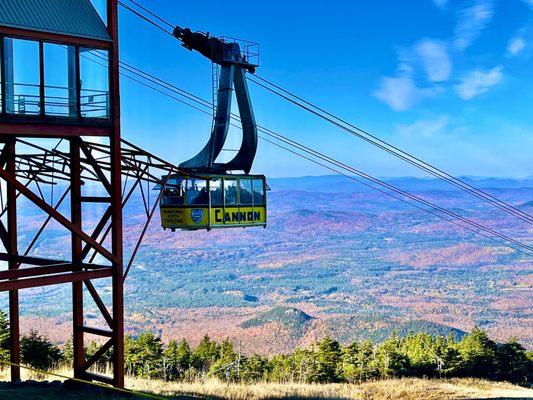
x=246 y=191
x=258 y=191
x=173 y=193
x=215 y=187
x=196 y=192
x=230 y=192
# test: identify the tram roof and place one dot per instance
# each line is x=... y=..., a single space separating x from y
x=196 y=175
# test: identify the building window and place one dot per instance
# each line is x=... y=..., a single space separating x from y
x=94 y=83
x=60 y=83
x=54 y=80
x=22 y=76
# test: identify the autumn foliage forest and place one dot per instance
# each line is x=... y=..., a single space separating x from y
x=326 y=361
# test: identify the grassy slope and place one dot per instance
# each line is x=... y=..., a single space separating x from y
x=398 y=389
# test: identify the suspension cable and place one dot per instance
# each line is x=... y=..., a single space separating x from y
x=391 y=149
x=153 y=14
x=370 y=138
x=346 y=167
x=137 y=13
x=352 y=170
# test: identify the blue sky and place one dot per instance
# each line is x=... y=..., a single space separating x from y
x=450 y=81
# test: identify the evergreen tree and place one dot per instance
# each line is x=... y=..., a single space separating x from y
x=475 y=355
x=390 y=360
x=328 y=357
x=227 y=364
x=512 y=363
x=254 y=369
x=4 y=337
x=144 y=355
x=300 y=366
x=93 y=347
x=177 y=359
x=205 y=354
x=446 y=349
x=478 y=355
x=38 y=352
x=68 y=352
x=358 y=362
x=419 y=348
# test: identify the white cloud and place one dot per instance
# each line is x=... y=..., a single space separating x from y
x=471 y=21
x=516 y=45
x=529 y=3
x=400 y=93
x=478 y=82
x=440 y=3
x=435 y=60
x=425 y=127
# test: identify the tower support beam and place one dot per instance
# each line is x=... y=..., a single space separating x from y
x=12 y=232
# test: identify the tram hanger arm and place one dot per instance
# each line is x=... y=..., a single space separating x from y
x=215 y=49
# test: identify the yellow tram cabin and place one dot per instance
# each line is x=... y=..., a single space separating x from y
x=213 y=201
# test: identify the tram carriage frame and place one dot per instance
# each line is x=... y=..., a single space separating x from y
x=210 y=201
x=238 y=200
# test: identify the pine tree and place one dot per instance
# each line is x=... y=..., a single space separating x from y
x=478 y=355
x=512 y=363
x=227 y=364
x=422 y=357
x=93 y=347
x=328 y=357
x=144 y=355
x=177 y=358
x=254 y=369
x=446 y=349
x=4 y=337
x=358 y=362
x=38 y=352
x=68 y=353
x=205 y=354
x=390 y=359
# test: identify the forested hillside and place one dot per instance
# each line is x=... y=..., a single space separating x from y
x=353 y=264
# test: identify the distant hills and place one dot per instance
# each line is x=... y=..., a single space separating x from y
x=298 y=325
x=336 y=183
x=336 y=258
x=289 y=317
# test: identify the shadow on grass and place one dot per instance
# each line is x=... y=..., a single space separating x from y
x=74 y=391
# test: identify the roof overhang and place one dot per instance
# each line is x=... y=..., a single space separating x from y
x=64 y=21
x=54 y=37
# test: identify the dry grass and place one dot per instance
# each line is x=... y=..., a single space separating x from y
x=394 y=389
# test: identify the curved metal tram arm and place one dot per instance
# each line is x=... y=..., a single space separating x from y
x=234 y=65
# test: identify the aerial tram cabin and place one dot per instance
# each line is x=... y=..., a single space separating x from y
x=213 y=201
x=205 y=194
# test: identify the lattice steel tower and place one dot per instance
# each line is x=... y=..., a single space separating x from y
x=51 y=94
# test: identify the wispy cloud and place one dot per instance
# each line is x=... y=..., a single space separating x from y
x=529 y=3
x=401 y=93
x=425 y=127
x=440 y=3
x=471 y=21
x=478 y=82
x=435 y=60
x=515 y=45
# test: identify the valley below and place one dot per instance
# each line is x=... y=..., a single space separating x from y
x=336 y=258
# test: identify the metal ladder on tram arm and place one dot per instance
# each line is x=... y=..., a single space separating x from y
x=234 y=63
